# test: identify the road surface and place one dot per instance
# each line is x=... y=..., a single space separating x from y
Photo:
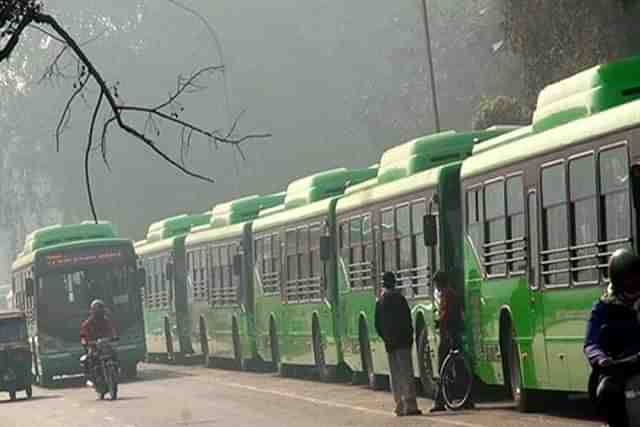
x=192 y=396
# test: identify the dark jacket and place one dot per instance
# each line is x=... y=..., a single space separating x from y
x=621 y=336
x=393 y=321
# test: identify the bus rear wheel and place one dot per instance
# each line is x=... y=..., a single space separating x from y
x=522 y=397
x=367 y=357
x=237 y=350
x=318 y=351
x=275 y=348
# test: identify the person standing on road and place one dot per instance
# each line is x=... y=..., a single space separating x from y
x=450 y=322
x=393 y=325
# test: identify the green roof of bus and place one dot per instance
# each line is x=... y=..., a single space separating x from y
x=57 y=234
x=389 y=190
x=175 y=226
x=587 y=93
x=430 y=151
x=555 y=124
x=323 y=185
x=612 y=120
x=243 y=209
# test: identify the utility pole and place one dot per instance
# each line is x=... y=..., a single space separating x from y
x=434 y=97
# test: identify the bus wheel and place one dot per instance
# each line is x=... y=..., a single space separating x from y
x=237 y=350
x=522 y=397
x=318 y=352
x=275 y=347
x=366 y=357
x=168 y=338
x=130 y=371
x=424 y=360
x=204 y=342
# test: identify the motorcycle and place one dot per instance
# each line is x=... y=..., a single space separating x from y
x=102 y=365
x=628 y=367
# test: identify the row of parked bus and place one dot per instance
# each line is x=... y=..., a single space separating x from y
x=522 y=219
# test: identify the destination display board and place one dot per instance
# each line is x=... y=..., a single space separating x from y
x=85 y=256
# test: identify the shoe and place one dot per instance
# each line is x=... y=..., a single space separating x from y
x=438 y=407
x=414 y=413
x=469 y=405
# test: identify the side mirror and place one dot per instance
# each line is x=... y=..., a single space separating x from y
x=168 y=270
x=237 y=264
x=141 y=277
x=635 y=185
x=325 y=248
x=29 y=286
x=430 y=230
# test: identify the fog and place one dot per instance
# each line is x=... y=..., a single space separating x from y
x=335 y=82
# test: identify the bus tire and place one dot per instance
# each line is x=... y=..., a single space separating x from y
x=130 y=371
x=237 y=349
x=522 y=397
x=366 y=357
x=204 y=341
x=426 y=366
x=318 y=351
x=275 y=346
x=168 y=337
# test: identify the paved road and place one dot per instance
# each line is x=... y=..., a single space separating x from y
x=179 y=396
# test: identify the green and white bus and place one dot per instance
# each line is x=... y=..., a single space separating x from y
x=165 y=296
x=60 y=271
x=220 y=272
x=380 y=228
x=295 y=290
x=544 y=209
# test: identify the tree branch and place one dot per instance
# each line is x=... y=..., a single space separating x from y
x=6 y=51
x=87 y=153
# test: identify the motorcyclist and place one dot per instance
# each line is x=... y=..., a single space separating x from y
x=98 y=325
x=612 y=334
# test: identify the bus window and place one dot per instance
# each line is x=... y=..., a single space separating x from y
x=582 y=194
x=555 y=233
x=495 y=228
x=303 y=252
x=405 y=257
x=532 y=207
x=291 y=255
x=420 y=254
x=475 y=219
x=614 y=199
x=515 y=224
x=367 y=251
x=355 y=251
x=388 y=241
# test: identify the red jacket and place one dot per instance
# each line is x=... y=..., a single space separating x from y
x=93 y=328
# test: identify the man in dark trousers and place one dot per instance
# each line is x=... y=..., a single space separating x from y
x=393 y=324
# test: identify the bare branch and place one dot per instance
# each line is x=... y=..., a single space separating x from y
x=184 y=85
x=50 y=34
x=66 y=112
x=87 y=154
x=6 y=51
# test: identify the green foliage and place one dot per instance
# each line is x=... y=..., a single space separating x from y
x=556 y=39
x=500 y=110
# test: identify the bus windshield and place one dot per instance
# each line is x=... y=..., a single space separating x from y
x=64 y=298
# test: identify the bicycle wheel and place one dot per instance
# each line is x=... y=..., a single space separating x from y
x=456 y=380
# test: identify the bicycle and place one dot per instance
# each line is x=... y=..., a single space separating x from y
x=456 y=379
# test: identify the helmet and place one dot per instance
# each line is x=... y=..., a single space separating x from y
x=97 y=307
x=622 y=265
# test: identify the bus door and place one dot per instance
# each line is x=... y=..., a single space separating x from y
x=538 y=356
